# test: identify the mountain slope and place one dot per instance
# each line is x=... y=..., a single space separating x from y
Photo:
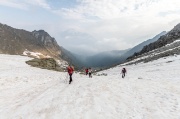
x=167 y=50
x=105 y=59
x=140 y=46
x=71 y=58
x=49 y=43
x=170 y=37
x=39 y=43
x=16 y=41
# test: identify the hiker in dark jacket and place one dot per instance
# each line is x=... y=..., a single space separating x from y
x=123 y=72
x=90 y=73
x=70 y=70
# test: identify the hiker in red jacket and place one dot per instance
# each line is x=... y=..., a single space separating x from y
x=70 y=70
x=123 y=72
x=87 y=71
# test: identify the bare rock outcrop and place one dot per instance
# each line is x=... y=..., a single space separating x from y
x=45 y=63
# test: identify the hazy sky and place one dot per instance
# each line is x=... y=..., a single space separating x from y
x=93 y=25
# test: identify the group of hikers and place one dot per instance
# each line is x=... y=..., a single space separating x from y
x=88 y=71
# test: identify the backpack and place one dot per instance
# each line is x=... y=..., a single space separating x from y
x=124 y=70
x=70 y=70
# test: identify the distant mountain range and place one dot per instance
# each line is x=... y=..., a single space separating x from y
x=104 y=59
x=22 y=42
x=112 y=58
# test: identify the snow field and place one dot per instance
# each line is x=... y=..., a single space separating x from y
x=149 y=91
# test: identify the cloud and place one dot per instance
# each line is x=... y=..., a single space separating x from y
x=112 y=9
x=112 y=43
x=40 y=3
x=108 y=24
x=103 y=9
x=123 y=23
x=25 y=4
x=13 y=4
x=109 y=9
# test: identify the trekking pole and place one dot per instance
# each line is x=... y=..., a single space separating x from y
x=66 y=78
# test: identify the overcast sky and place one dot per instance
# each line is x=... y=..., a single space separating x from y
x=93 y=25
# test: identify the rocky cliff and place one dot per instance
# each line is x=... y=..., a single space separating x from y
x=16 y=41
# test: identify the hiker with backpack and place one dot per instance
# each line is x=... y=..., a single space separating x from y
x=90 y=73
x=123 y=72
x=86 y=71
x=70 y=70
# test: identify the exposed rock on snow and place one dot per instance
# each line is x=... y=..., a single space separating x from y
x=46 y=63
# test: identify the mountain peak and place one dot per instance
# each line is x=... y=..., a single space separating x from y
x=163 y=32
x=40 y=32
x=43 y=36
x=177 y=27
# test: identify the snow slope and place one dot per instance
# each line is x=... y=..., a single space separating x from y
x=149 y=91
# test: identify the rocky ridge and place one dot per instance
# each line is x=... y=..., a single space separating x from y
x=166 y=45
x=167 y=50
x=16 y=41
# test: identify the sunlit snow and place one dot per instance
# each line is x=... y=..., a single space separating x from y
x=149 y=91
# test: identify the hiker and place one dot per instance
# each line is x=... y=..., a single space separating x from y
x=87 y=71
x=90 y=73
x=123 y=72
x=70 y=70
